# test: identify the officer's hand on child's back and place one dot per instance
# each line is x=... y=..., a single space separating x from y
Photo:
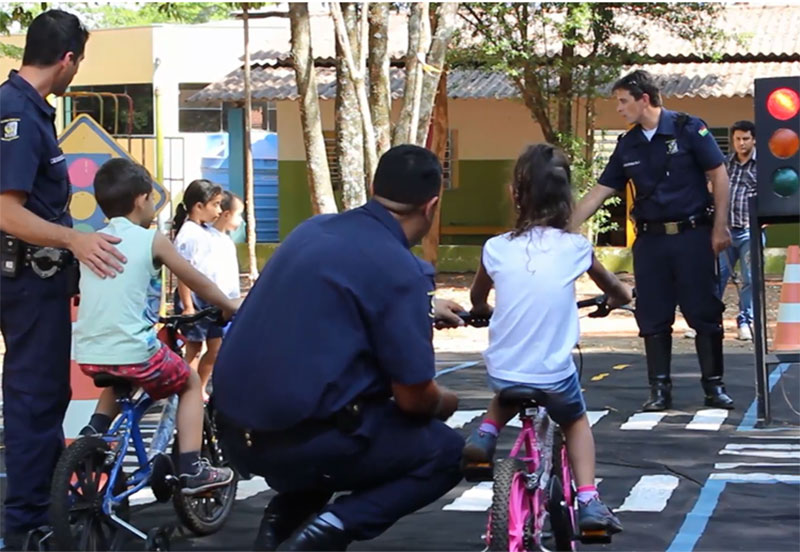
x=96 y=251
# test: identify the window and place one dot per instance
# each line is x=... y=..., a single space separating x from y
x=720 y=134
x=450 y=163
x=115 y=121
x=213 y=116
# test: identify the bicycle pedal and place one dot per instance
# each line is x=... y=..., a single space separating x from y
x=595 y=536
x=478 y=472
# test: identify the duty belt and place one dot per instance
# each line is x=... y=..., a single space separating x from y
x=46 y=261
x=674 y=227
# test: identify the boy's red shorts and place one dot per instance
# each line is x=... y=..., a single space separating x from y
x=164 y=374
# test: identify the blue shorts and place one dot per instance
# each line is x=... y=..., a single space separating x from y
x=563 y=399
x=199 y=331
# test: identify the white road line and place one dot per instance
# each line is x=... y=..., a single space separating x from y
x=650 y=494
x=763 y=453
x=709 y=419
x=462 y=417
x=515 y=422
x=643 y=421
x=477 y=498
x=782 y=478
x=744 y=446
x=247 y=488
x=734 y=465
x=595 y=416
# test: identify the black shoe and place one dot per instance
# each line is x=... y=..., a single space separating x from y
x=716 y=396
x=317 y=535
x=660 y=398
x=272 y=531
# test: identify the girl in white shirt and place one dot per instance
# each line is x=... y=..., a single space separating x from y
x=199 y=208
x=534 y=324
x=226 y=271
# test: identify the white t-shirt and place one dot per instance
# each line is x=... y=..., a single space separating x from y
x=226 y=270
x=194 y=243
x=649 y=133
x=535 y=326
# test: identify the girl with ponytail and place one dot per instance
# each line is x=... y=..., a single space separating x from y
x=534 y=324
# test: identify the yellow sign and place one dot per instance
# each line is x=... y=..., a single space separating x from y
x=86 y=146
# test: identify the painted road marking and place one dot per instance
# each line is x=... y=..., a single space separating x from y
x=743 y=446
x=477 y=498
x=600 y=377
x=595 y=415
x=643 y=421
x=734 y=465
x=463 y=417
x=620 y=366
x=650 y=494
x=763 y=453
x=710 y=419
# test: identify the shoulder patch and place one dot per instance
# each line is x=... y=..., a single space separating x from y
x=10 y=129
x=702 y=131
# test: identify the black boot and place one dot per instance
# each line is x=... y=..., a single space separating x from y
x=709 y=354
x=285 y=513
x=274 y=529
x=658 y=349
x=317 y=535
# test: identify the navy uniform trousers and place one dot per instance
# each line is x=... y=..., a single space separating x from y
x=403 y=465
x=679 y=269
x=36 y=326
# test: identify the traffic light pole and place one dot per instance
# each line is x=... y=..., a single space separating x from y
x=759 y=316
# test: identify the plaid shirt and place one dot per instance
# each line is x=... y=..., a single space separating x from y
x=743 y=187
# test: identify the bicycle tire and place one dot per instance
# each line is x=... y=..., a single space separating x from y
x=561 y=520
x=205 y=515
x=506 y=474
x=87 y=454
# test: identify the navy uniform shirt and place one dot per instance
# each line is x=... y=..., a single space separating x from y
x=668 y=172
x=30 y=159
x=342 y=310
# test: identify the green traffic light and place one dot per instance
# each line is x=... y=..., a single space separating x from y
x=785 y=182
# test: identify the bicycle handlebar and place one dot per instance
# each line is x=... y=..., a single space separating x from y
x=212 y=313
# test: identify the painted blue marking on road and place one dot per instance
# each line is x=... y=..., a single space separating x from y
x=457 y=367
x=749 y=419
x=696 y=520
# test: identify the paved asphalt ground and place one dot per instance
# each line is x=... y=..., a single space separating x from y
x=692 y=479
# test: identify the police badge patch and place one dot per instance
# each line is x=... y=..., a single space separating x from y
x=672 y=147
x=10 y=129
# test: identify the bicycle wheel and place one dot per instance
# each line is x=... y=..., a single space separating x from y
x=511 y=508
x=562 y=520
x=79 y=484
x=205 y=514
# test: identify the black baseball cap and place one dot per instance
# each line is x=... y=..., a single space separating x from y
x=408 y=174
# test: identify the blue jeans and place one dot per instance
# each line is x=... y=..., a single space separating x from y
x=563 y=399
x=739 y=251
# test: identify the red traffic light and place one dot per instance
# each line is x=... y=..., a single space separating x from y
x=783 y=103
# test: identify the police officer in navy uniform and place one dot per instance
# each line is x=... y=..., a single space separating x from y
x=670 y=157
x=324 y=382
x=39 y=249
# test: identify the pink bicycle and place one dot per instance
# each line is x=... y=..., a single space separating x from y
x=534 y=505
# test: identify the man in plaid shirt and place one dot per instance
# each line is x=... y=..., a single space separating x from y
x=742 y=174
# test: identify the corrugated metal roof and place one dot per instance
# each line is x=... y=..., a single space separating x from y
x=706 y=80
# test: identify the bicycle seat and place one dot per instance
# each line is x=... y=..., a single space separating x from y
x=120 y=385
x=520 y=395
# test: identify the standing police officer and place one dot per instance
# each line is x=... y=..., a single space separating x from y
x=338 y=323
x=38 y=268
x=670 y=157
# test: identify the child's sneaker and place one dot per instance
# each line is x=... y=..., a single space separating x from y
x=594 y=516
x=479 y=448
x=206 y=478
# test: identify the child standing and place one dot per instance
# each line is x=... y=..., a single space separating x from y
x=114 y=333
x=534 y=326
x=201 y=206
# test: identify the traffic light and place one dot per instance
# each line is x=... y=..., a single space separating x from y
x=778 y=142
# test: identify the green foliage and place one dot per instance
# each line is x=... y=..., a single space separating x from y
x=21 y=13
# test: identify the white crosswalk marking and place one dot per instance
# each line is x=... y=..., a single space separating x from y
x=763 y=453
x=595 y=415
x=709 y=419
x=744 y=446
x=734 y=465
x=247 y=488
x=462 y=417
x=475 y=499
x=650 y=494
x=643 y=421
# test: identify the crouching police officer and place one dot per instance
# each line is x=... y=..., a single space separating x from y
x=38 y=266
x=669 y=157
x=338 y=324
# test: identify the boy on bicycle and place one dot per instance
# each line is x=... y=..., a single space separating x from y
x=534 y=326
x=115 y=333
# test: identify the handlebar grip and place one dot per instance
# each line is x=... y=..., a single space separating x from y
x=593 y=302
x=213 y=313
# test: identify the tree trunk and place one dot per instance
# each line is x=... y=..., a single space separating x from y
x=349 y=128
x=424 y=41
x=565 y=81
x=380 y=99
x=357 y=76
x=439 y=130
x=445 y=25
x=249 y=194
x=319 y=177
x=405 y=121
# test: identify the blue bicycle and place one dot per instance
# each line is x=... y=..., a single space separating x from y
x=90 y=490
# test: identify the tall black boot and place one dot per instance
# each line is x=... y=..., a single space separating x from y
x=709 y=354
x=317 y=535
x=658 y=349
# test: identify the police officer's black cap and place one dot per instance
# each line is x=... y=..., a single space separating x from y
x=408 y=174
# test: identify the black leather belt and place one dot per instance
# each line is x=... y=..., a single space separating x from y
x=671 y=228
